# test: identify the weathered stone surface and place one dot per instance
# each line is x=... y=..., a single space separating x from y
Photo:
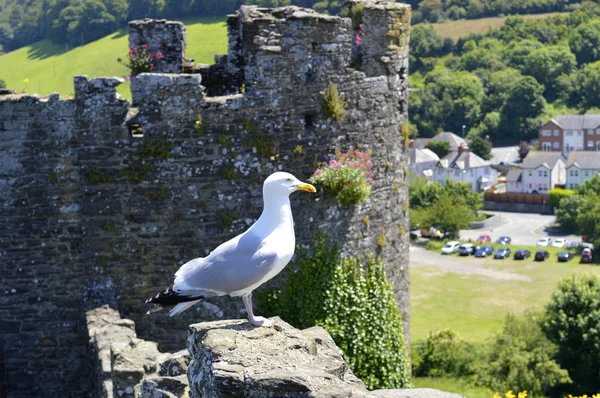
x=126 y=366
x=97 y=214
x=234 y=359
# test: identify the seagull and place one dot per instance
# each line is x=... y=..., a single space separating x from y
x=242 y=264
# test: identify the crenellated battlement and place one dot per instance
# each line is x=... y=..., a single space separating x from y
x=104 y=199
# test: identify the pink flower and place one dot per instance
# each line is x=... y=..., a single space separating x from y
x=370 y=181
x=369 y=164
x=356 y=163
x=159 y=55
x=144 y=46
x=358 y=40
x=127 y=78
x=133 y=48
x=152 y=65
x=318 y=171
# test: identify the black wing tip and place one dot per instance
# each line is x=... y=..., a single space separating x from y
x=171 y=297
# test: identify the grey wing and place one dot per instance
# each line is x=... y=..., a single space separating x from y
x=234 y=265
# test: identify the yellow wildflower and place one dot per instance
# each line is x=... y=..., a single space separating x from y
x=522 y=394
x=496 y=395
x=509 y=394
x=26 y=81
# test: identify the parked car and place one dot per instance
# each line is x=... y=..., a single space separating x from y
x=521 y=254
x=541 y=255
x=563 y=257
x=543 y=242
x=502 y=252
x=504 y=240
x=466 y=249
x=450 y=247
x=574 y=245
x=484 y=251
x=559 y=242
x=483 y=239
x=586 y=256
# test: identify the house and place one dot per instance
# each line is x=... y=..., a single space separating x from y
x=581 y=166
x=566 y=133
x=542 y=171
x=454 y=141
x=514 y=181
x=422 y=162
x=464 y=166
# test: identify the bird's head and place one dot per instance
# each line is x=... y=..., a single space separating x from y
x=285 y=183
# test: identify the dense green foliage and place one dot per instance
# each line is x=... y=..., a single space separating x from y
x=354 y=301
x=522 y=359
x=440 y=10
x=580 y=213
x=572 y=322
x=440 y=148
x=450 y=208
x=502 y=84
x=480 y=147
x=445 y=354
x=555 y=195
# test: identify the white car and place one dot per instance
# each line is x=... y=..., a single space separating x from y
x=560 y=242
x=543 y=242
x=450 y=247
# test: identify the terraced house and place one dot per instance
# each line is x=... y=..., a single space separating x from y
x=582 y=166
x=566 y=133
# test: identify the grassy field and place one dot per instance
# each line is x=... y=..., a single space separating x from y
x=50 y=68
x=474 y=305
x=464 y=27
x=453 y=385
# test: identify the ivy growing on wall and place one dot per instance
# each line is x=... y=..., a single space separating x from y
x=354 y=301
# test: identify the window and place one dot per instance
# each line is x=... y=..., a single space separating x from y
x=575 y=173
x=591 y=144
x=456 y=172
x=440 y=170
x=570 y=173
x=580 y=133
x=590 y=131
x=556 y=145
x=529 y=186
x=546 y=133
x=530 y=174
x=545 y=173
x=540 y=173
x=569 y=133
x=587 y=173
x=545 y=187
x=598 y=145
x=556 y=133
x=546 y=146
x=570 y=186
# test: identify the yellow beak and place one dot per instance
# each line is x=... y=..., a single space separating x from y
x=306 y=187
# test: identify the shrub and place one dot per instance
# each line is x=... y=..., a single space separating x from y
x=440 y=148
x=2 y=84
x=140 y=60
x=357 y=307
x=445 y=354
x=347 y=177
x=522 y=358
x=333 y=104
x=572 y=321
x=567 y=212
x=556 y=194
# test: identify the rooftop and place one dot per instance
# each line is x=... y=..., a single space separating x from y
x=537 y=159
x=577 y=122
x=514 y=175
x=584 y=159
x=464 y=161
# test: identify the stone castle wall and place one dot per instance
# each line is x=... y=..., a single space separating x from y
x=104 y=200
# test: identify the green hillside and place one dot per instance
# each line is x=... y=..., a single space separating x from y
x=50 y=68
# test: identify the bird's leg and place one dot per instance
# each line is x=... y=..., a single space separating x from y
x=255 y=320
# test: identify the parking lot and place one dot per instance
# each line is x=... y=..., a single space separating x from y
x=523 y=228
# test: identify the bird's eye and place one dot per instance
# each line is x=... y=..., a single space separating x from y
x=288 y=179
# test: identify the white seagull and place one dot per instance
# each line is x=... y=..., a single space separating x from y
x=241 y=264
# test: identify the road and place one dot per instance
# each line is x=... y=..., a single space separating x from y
x=523 y=228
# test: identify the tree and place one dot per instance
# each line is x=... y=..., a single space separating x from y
x=547 y=63
x=522 y=359
x=523 y=105
x=585 y=42
x=449 y=215
x=572 y=322
x=444 y=354
x=423 y=194
x=523 y=150
x=440 y=148
x=481 y=148
x=589 y=80
x=567 y=211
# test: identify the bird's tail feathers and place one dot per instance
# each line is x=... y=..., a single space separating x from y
x=171 y=297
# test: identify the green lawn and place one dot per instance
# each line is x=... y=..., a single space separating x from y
x=453 y=385
x=475 y=306
x=50 y=68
